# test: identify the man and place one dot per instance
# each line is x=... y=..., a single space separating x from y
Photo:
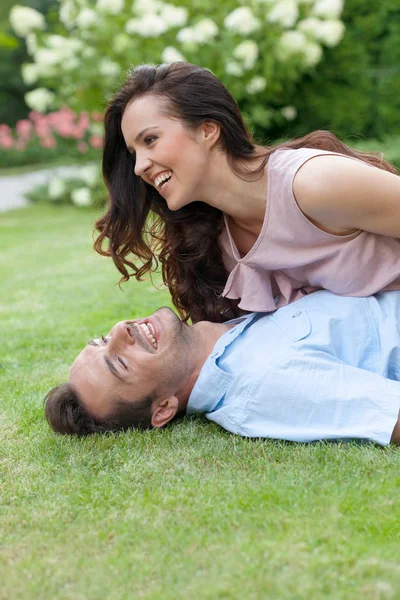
x=324 y=367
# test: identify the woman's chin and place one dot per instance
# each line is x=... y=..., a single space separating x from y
x=176 y=204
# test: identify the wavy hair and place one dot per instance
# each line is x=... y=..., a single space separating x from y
x=138 y=225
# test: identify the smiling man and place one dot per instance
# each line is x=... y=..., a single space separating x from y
x=324 y=367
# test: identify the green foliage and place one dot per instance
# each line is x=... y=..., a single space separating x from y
x=12 y=55
x=355 y=89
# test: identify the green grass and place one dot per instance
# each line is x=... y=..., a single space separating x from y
x=190 y=512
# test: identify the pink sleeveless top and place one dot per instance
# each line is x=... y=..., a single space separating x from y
x=292 y=257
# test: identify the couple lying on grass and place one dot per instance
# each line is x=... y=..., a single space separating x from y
x=325 y=367
x=237 y=227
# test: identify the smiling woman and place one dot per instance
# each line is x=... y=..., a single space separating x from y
x=237 y=226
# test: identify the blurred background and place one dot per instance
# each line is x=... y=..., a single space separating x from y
x=293 y=65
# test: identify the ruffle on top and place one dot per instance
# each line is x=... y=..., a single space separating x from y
x=257 y=288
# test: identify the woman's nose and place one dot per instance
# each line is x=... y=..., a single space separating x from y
x=142 y=164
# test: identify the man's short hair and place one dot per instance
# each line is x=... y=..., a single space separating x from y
x=66 y=413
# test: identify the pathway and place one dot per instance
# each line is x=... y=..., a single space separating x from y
x=13 y=187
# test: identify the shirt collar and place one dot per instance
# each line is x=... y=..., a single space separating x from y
x=212 y=382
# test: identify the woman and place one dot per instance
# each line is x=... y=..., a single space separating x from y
x=237 y=226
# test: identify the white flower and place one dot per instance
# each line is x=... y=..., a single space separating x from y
x=90 y=175
x=67 y=13
x=31 y=43
x=112 y=7
x=291 y=43
x=81 y=197
x=289 y=112
x=143 y=7
x=109 y=68
x=121 y=42
x=187 y=35
x=46 y=58
x=40 y=99
x=56 y=188
x=67 y=45
x=310 y=26
x=329 y=9
x=148 y=26
x=234 y=68
x=202 y=33
x=174 y=16
x=247 y=52
x=285 y=13
x=86 y=18
x=171 y=54
x=29 y=73
x=206 y=30
x=331 y=32
x=256 y=84
x=96 y=129
x=88 y=52
x=24 y=20
x=242 y=21
x=312 y=54
x=133 y=26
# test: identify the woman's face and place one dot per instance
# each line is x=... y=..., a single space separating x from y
x=169 y=157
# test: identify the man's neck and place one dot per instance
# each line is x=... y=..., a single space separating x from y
x=205 y=335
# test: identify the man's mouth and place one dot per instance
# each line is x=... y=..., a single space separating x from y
x=148 y=329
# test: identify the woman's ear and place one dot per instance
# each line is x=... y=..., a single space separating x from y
x=164 y=411
x=210 y=132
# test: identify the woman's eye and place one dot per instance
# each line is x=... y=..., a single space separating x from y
x=150 y=139
x=104 y=339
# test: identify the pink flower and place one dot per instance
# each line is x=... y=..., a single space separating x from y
x=5 y=130
x=97 y=116
x=24 y=128
x=96 y=141
x=82 y=146
x=42 y=130
x=48 y=142
x=7 y=142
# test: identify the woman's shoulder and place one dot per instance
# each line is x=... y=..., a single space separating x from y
x=285 y=158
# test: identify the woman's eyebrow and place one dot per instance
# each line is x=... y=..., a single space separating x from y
x=139 y=135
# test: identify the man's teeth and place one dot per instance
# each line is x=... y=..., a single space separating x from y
x=149 y=331
x=161 y=178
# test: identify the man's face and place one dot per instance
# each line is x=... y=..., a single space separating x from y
x=136 y=359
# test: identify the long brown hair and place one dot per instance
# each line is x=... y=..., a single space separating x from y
x=138 y=221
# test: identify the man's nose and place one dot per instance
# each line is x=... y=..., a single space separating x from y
x=120 y=336
x=142 y=164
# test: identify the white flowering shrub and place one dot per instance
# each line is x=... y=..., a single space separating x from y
x=257 y=50
x=84 y=189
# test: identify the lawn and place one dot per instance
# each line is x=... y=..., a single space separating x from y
x=188 y=512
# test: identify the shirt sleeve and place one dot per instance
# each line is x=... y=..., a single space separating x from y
x=315 y=396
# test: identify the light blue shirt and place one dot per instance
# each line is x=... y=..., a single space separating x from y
x=324 y=367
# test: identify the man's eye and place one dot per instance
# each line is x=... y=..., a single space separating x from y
x=123 y=363
x=104 y=339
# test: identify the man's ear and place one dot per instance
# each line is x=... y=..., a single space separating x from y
x=211 y=132
x=164 y=411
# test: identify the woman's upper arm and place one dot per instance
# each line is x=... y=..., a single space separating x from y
x=339 y=195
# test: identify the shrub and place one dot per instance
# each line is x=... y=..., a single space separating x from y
x=258 y=51
x=41 y=138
